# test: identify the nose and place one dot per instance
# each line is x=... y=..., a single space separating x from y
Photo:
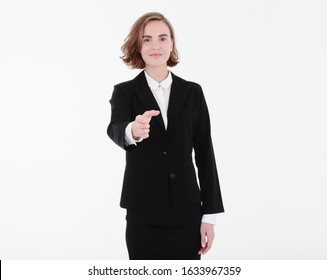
x=155 y=46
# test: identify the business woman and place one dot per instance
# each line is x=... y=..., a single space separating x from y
x=159 y=118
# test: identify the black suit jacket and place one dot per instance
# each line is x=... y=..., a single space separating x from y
x=159 y=171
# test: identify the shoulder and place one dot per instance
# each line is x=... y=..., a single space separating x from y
x=189 y=84
x=139 y=80
x=192 y=89
x=124 y=85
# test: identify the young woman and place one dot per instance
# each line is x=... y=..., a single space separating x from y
x=159 y=119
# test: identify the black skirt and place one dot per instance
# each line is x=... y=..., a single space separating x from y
x=164 y=234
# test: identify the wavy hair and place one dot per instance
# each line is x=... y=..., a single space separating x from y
x=133 y=43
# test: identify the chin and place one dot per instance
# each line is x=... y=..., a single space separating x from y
x=157 y=64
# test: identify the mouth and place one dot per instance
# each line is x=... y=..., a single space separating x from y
x=155 y=55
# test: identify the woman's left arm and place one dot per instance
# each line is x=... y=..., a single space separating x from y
x=205 y=161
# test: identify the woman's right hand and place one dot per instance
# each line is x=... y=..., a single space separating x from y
x=141 y=125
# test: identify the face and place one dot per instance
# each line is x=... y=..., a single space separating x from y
x=156 y=44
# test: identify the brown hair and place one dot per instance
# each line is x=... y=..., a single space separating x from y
x=133 y=43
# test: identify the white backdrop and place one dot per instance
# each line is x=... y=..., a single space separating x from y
x=263 y=68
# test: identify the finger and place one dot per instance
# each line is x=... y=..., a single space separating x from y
x=151 y=113
x=145 y=132
x=204 y=250
x=143 y=126
x=201 y=251
x=210 y=237
x=145 y=135
x=139 y=125
x=203 y=240
x=140 y=119
x=139 y=129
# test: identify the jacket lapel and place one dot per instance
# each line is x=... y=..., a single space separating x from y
x=145 y=95
x=177 y=99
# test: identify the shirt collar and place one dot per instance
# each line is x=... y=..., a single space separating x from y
x=153 y=84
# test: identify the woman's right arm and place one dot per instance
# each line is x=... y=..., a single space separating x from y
x=121 y=116
x=122 y=128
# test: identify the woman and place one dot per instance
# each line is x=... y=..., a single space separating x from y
x=159 y=119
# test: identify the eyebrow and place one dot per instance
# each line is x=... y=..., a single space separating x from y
x=161 y=35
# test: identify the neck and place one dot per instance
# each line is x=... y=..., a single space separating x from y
x=157 y=73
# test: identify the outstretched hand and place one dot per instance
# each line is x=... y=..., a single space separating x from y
x=141 y=125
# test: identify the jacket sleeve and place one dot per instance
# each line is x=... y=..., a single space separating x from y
x=205 y=162
x=121 y=116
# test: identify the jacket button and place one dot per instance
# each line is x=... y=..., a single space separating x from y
x=172 y=176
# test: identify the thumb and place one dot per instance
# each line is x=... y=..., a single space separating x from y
x=203 y=240
x=151 y=113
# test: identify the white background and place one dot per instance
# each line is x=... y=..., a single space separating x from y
x=263 y=68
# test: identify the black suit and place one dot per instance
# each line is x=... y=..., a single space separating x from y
x=159 y=170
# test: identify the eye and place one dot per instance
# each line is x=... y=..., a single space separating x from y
x=163 y=39
x=145 y=40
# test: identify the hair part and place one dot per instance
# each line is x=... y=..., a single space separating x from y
x=133 y=43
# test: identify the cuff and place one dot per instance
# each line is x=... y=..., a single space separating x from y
x=209 y=218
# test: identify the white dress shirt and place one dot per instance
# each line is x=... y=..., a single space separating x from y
x=161 y=92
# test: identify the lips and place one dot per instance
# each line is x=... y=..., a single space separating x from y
x=155 y=55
